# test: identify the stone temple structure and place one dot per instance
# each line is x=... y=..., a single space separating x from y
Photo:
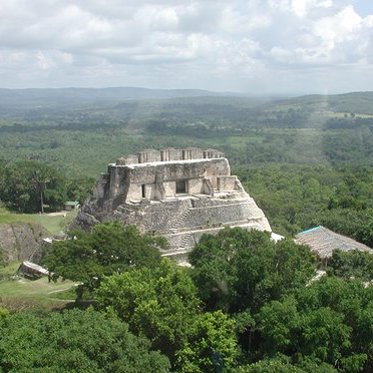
x=179 y=193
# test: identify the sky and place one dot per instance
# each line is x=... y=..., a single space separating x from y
x=252 y=46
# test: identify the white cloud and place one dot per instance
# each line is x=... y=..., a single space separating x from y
x=43 y=61
x=338 y=28
x=299 y=7
x=235 y=21
x=201 y=43
x=165 y=18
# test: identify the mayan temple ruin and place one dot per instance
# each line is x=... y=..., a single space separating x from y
x=179 y=193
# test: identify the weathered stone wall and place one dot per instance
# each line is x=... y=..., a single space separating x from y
x=170 y=188
x=149 y=155
x=168 y=154
x=195 y=186
x=171 y=154
x=175 y=170
x=20 y=241
x=190 y=213
x=128 y=159
x=212 y=153
x=180 y=193
x=226 y=183
x=127 y=181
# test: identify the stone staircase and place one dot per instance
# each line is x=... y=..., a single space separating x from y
x=179 y=222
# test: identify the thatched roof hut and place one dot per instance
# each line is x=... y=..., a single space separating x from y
x=32 y=270
x=323 y=242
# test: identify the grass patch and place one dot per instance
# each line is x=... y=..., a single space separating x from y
x=33 y=288
x=9 y=270
x=68 y=294
x=22 y=293
x=53 y=224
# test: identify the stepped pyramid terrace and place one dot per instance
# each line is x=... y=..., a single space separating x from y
x=178 y=193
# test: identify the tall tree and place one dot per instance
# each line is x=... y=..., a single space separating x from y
x=110 y=248
x=211 y=345
x=25 y=185
x=238 y=269
x=41 y=176
x=160 y=303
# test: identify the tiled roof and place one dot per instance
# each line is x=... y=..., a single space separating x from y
x=323 y=241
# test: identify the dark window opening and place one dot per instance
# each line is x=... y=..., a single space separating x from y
x=143 y=194
x=181 y=187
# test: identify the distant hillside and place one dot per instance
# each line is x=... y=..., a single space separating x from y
x=354 y=102
x=81 y=130
x=50 y=97
x=14 y=102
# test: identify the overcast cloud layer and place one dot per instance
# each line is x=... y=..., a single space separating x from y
x=255 y=46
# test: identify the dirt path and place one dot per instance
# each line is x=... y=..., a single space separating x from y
x=60 y=290
x=59 y=213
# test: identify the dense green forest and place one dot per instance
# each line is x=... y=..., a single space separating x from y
x=247 y=305
x=30 y=186
x=306 y=160
x=81 y=134
x=296 y=197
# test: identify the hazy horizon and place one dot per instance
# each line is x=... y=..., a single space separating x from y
x=219 y=93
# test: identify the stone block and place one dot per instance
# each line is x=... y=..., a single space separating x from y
x=212 y=153
x=131 y=159
x=192 y=153
x=195 y=186
x=170 y=188
x=226 y=183
x=134 y=192
x=171 y=154
x=149 y=155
